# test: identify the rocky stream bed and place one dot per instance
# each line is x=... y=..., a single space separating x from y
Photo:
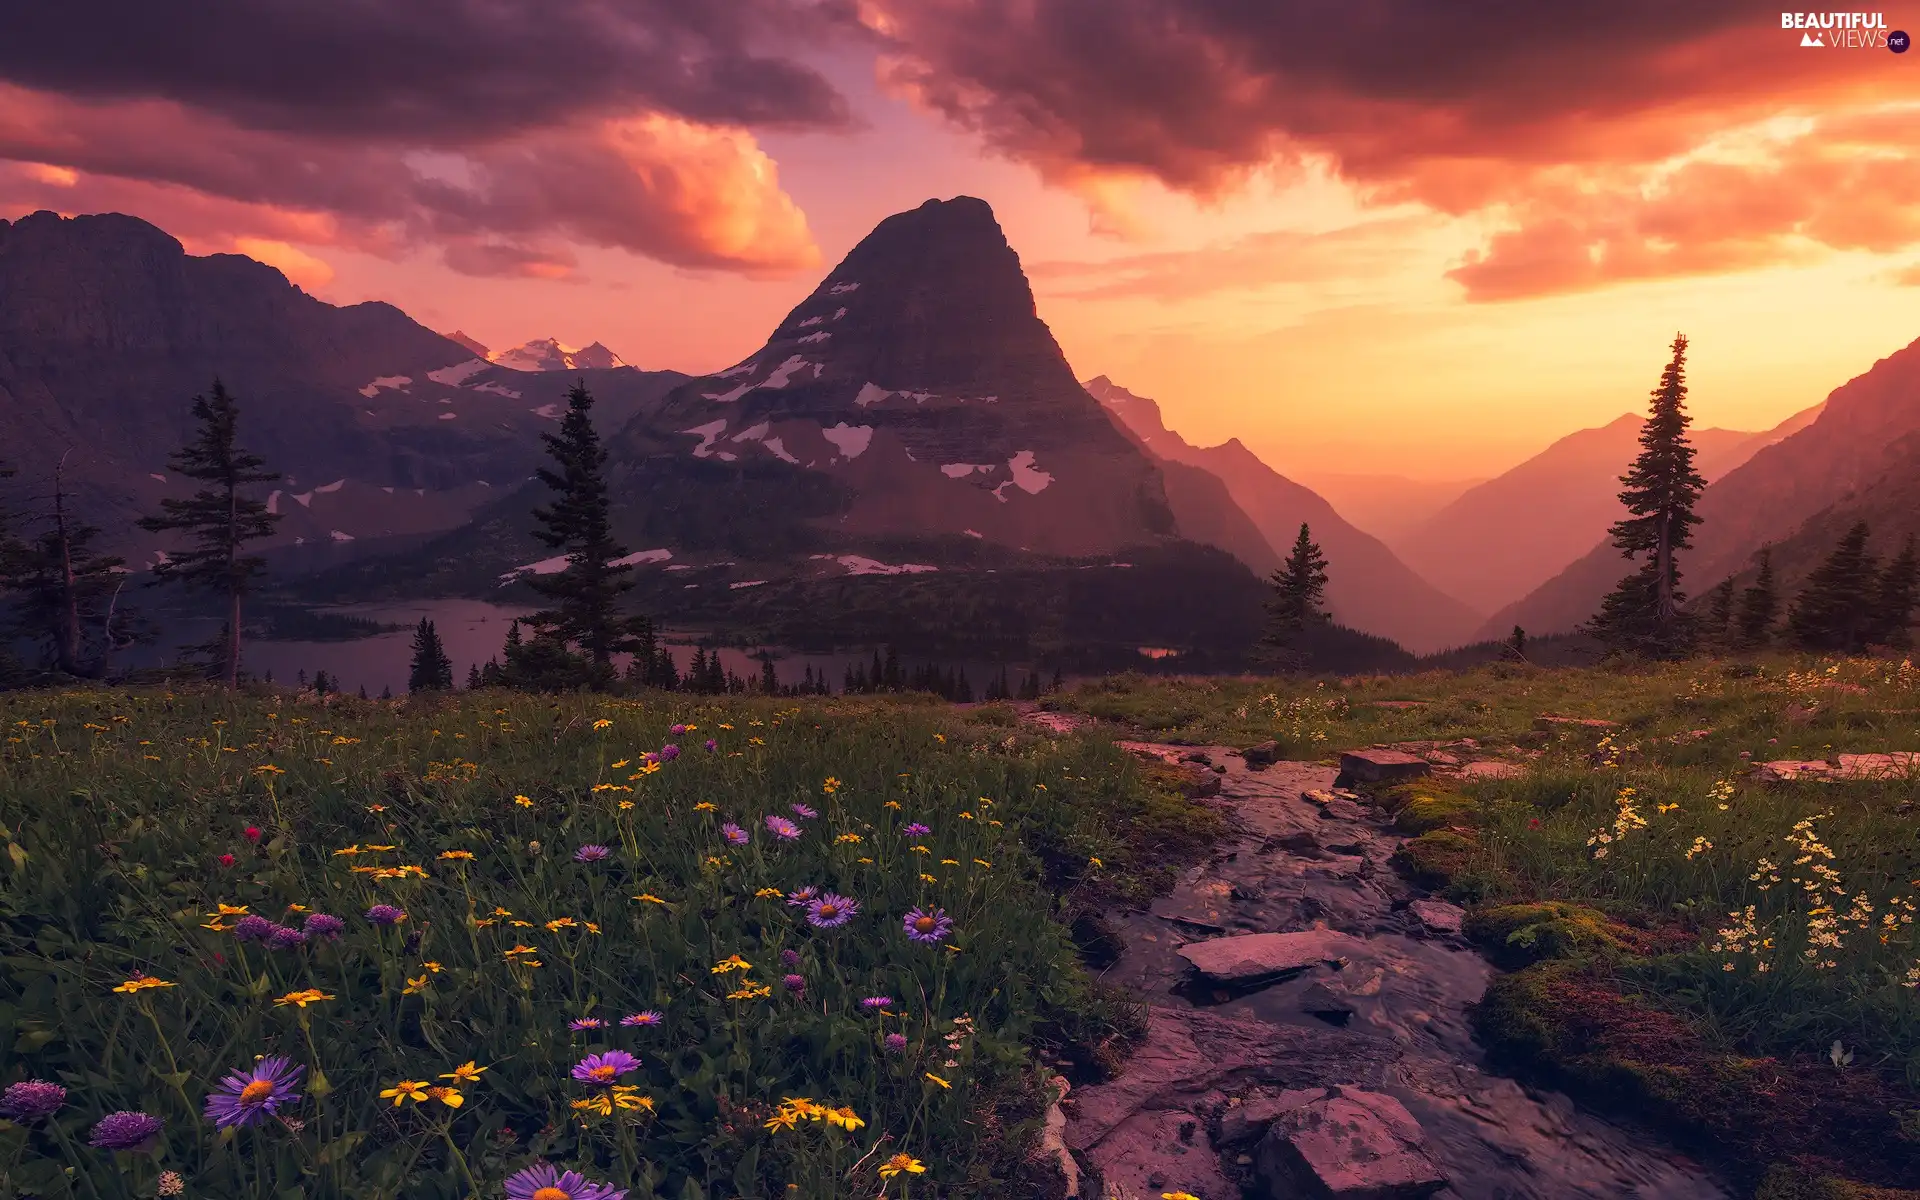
x=1308 y=1035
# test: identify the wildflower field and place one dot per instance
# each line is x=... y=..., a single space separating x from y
x=1736 y=959
x=552 y=950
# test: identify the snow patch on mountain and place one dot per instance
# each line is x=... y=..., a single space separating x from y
x=550 y=411
x=779 y=450
x=707 y=432
x=811 y=321
x=335 y=486
x=1027 y=477
x=745 y=364
x=745 y=583
x=973 y=533
x=273 y=503
x=156 y=475
x=337 y=536
x=785 y=371
x=822 y=336
x=454 y=375
x=857 y=564
x=838 y=313
x=304 y=499
x=496 y=389
x=869 y=394
x=850 y=440
x=642 y=556
x=842 y=288
x=962 y=470
x=730 y=397
x=448 y=416
x=396 y=382
x=752 y=433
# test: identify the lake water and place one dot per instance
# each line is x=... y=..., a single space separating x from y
x=474 y=631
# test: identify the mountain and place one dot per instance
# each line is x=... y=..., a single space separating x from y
x=1856 y=456
x=1507 y=536
x=1368 y=588
x=1386 y=506
x=548 y=354
x=478 y=348
x=908 y=457
x=382 y=427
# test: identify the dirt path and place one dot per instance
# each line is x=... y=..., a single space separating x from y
x=1191 y=1111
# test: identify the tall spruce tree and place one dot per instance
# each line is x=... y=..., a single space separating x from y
x=1643 y=615
x=67 y=596
x=584 y=598
x=1759 y=606
x=218 y=520
x=1718 y=627
x=1296 y=596
x=1899 y=591
x=431 y=670
x=1837 y=609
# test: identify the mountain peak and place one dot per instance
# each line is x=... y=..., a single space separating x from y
x=473 y=344
x=551 y=354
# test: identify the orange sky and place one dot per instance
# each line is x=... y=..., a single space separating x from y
x=1427 y=251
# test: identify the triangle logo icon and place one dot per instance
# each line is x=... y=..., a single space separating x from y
x=1811 y=39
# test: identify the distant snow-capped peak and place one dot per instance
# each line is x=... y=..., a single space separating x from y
x=550 y=354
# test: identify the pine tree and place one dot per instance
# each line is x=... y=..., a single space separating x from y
x=1759 y=605
x=769 y=678
x=584 y=598
x=363 y=691
x=1296 y=598
x=1517 y=642
x=1643 y=615
x=322 y=682
x=1837 y=608
x=1719 y=624
x=386 y=693
x=473 y=676
x=1898 y=593
x=431 y=670
x=67 y=594
x=218 y=520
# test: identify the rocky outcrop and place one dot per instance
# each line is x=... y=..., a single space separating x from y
x=1381 y=766
x=1348 y=1144
x=1258 y=957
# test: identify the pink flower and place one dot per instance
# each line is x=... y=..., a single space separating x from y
x=227 y=860
x=253 y=833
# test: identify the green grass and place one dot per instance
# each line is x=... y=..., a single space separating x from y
x=1716 y=922
x=117 y=812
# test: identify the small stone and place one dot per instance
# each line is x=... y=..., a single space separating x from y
x=1265 y=754
x=1256 y=957
x=1341 y=810
x=1303 y=844
x=1439 y=917
x=1353 y=1145
x=1245 y=1123
x=1380 y=766
x=1319 y=1000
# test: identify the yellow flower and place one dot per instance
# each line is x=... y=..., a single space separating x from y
x=559 y=923
x=371 y=847
x=625 y=805
x=616 y=766
x=649 y=898
x=523 y=801
x=407 y=1089
x=431 y=966
x=591 y=927
x=941 y=738
x=928 y=878
x=949 y=862
x=303 y=997
x=626 y=1095
x=706 y=806
x=783 y=1119
x=756 y=741
x=347 y=850
x=831 y=785
x=891 y=804
x=864 y=860
x=908 y=1164
x=1178 y=1196
x=732 y=962
x=1094 y=862
x=645 y=769
x=517 y=923
x=920 y=850
x=983 y=862
x=457 y=855
x=414 y=986
x=750 y=991
x=726 y=726
x=603 y=723
x=466 y=1072
x=450 y=1097
x=228 y=910
x=847 y=838
x=843 y=1118
x=935 y=1078
x=141 y=983
x=520 y=950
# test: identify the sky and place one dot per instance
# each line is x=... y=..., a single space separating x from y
x=1363 y=236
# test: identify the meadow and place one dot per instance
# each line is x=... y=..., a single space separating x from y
x=1734 y=959
x=255 y=945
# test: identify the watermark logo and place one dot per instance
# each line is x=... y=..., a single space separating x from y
x=1845 y=31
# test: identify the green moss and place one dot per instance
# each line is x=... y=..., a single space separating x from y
x=1433 y=859
x=1517 y=935
x=1427 y=813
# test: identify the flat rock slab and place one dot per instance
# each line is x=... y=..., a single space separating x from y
x=1381 y=766
x=1851 y=768
x=1437 y=916
x=1256 y=957
x=1352 y=1145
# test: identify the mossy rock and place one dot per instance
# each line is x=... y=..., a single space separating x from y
x=1442 y=811
x=1790 y=1183
x=1433 y=859
x=1400 y=796
x=1518 y=935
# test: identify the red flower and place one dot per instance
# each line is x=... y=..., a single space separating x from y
x=253 y=833
x=227 y=860
x=1533 y=822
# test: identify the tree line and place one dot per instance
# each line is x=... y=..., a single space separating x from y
x=68 y=597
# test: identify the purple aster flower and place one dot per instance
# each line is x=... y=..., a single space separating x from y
x=677 y=730
x=385 y=914
x=669 y=752
x=125 y=1131
x=543 y=1181
x=585 y=1023
x=735 y=835
x=790 y=957
x=876 y=1003
x=31 y=1099
x=244 y=1097
x=794 y=983
x=712 y=745
x=252 y=928
x=929 y=925
x=916 y=830
x=804 y=813
x=285 y=938
x=321 y=925
x=895 y=1043
x=831 y=911
x=604 y=1070
x=649 y=1018
x=590 y=853
x=782 y=828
